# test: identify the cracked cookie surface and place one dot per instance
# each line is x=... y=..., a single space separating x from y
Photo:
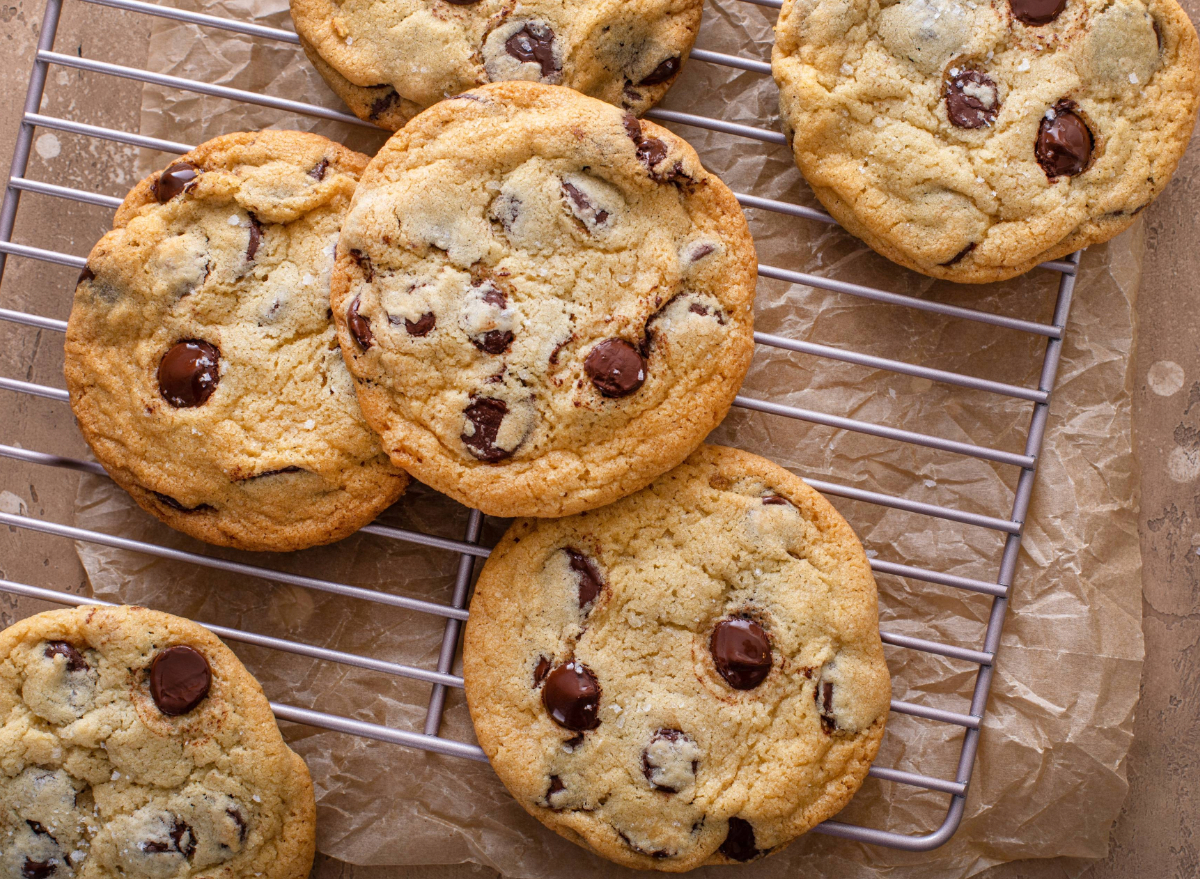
x=972 y=141
x=135 y=744
x=388 y=61
x=202 y=359
x=692 y=675
x=545 y=302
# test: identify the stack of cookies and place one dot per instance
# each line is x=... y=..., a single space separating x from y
x=539 y=304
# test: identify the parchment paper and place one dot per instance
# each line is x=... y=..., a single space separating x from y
x=1050 y=773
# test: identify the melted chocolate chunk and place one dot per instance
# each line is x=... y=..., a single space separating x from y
x=32 y=869
x=741 y=652
x=39 y=829
x=556 y=785
x=823 y=695
x=541 y=670
x=653 y=853
x=179 y=680
x=493 y=342
x=775 y=500
x=168 y=501
x=616 y=368
x=424 y=324
x=584 y=205
x=664 y=72
x=255 y=238
x=700 y=251
x=485 y=414
x=188 y=373
x=632 y=127
x=364 y=264
x=183 y=840
x=961 y=255
x=289 y=469
x=86 y=275
x=572 y=696
x=382 y=104
x=534 y=44
x=1037 y=12
x=360 y=327
x=240 y=821
x=651 y=151
x=669 y=735
x=972 y=99
x=590 y=582
x=75 y=660
x=176 y=179
x=1064 y=142
x=739 y=842
x=319 y=169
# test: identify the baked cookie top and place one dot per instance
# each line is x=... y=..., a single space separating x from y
x=545 y=302
x=972 y=141
x=201 y=356
x=390 y=60
x=692 y=675
x=135 y=744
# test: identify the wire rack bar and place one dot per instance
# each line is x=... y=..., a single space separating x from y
x=62 y=259
x=52 y=189
x=33 y=320
x=220 y=564
x=227 y=24
x=81 y=128
x=751 y=65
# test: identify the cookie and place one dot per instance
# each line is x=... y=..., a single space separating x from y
x=692 y=675
x=135 y=744
x=389 y=61
x=201 y=357
x=546 y=302
x=973 y=141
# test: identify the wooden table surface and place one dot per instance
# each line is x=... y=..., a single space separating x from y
x=1155 y=835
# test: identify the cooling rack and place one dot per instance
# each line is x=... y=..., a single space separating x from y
x=1009 y=523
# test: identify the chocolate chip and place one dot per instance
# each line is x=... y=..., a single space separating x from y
x=255 y=238
x=75 y=660
x=541 y=670
x=236 y=817
x=423 y=324
x=700 y=309
x=32 y=869
x=653 y=853
x=39 y=829
x=384 y=103
x=651 y=151
x=650 y=769
x=664 y=72
x=534 y=44
x=493 y=342
x=700 y=251
x=1064 y=142
x=188 y=373
x=823 y=695
x=176 y=179
x=179 y=680
x=960 y=256
x=556 y=786
x=972 y=99
x=485 y=414
x=739 y=842
x=583 y=205
x=319 y=169
x=289 y=469
x=572 y=696
x=616 y=368
x=167 y=500
x=1037 y=12
x=86 y=275
x=632 y=127
x=741 y=651
x=775 y=500
x=630 y=94
x=590 y=582
x=183 y=840
x=360 y=327
x=364 y=264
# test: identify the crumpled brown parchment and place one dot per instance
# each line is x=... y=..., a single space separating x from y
x=1049 y=779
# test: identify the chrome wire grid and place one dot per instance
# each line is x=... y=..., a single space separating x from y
x=468 y=548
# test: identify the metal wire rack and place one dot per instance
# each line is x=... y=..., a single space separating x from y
x=468 y=549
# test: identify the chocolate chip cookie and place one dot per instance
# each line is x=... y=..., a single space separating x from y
x=201 y=355
x=135 y=744
x=692 y=675
x=389 y=61
x=972 y=141
x=546 y=303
